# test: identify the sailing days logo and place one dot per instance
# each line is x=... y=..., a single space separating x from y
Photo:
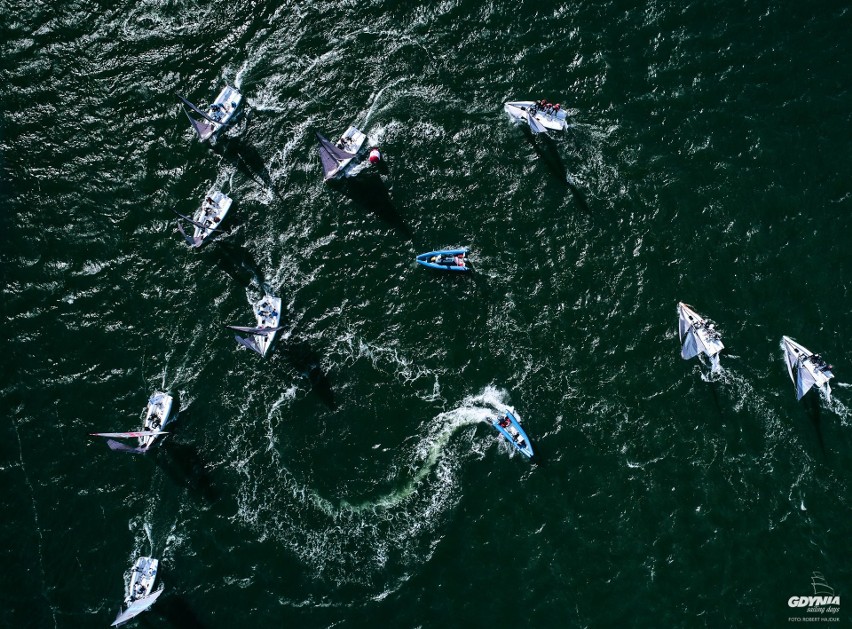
x=822 y=602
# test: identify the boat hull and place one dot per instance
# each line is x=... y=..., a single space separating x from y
x=224 y=110
x=351 y=141
x=267 y=311
x=158 y=415
x=512 y=432
x=553 y=122
x=425 y=259
x=211 y=215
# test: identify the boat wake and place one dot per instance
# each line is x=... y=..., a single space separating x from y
x=355 y=542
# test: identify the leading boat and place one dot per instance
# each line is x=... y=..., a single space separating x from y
x=806 y=369
x=337 y=156
x=267 y=311
x=158 y=414
x=139 y=591
x=698 y=336
x=207 y=219
x=219 y=115
x=541 y=119
x=509 y=426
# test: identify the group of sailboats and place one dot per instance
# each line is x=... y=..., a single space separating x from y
x=698 y=337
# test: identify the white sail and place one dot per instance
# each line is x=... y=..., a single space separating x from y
x=698 y=336
x=806 y=369
x=137 y=607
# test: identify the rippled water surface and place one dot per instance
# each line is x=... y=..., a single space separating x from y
x=351 y=478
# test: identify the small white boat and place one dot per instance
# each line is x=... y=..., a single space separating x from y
x=540 y=119
x=336 y=157
x=140 y=594
x=207 y=219
x=698 y=336
x=267 y=311
x=219 y=115
x=158 y=414
x=806 y=369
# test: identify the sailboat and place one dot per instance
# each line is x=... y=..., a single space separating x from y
x=540 y=120
x=806 y=369
x=158 y=414
x=139 y=591
x=207 y=219
x=267 y=311
x=220 y=114
x=337 y=156
x=698 y=336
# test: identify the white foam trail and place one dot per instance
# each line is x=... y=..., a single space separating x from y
x=354 y=541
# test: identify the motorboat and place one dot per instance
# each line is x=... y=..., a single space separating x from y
x=509 y=426
x=446 y=260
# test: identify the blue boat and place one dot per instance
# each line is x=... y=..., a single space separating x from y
x=509 y=426
x=445 y=260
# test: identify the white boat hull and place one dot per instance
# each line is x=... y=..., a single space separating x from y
x=211 y=214
x=518 y=110
x=351 y=141
x=158 y=415
x=268 y=314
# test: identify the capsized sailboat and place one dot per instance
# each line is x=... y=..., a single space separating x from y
x=542 y=117
x=139 y=591
x=267 y=311
x=207 y=218
x=158 y=414
x=220 y=114
x=806 y=369
x=509 y=426
x=698 y=336
x=337 y=156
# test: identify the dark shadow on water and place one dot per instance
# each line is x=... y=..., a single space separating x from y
x=306 y=361
x=811 y=402
x=177 y=611
x=184 y=464
x=368 y=191
x=548 y=153
x=238 y=263
x=245 y=157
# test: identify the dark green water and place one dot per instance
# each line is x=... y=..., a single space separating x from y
x=708 y=162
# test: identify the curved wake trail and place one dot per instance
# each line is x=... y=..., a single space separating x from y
x=356 y=542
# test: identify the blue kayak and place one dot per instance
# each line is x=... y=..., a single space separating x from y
x=445 y=260
x=512 y=430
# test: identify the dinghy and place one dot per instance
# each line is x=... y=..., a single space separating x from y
x=806 y=369
x=445 y=260
x=158 y=414
x=219 y=115
x=336 y=157
x=207 y=219
x=540 y=120
x=509 y=426
x=267 y=311
x=139 y=591
x=698 y=336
